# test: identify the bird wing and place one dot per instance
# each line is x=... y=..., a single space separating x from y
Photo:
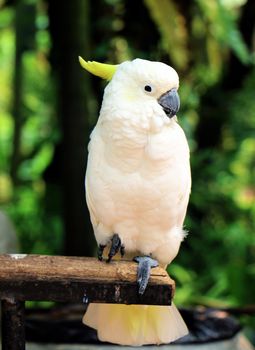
x=90 y=204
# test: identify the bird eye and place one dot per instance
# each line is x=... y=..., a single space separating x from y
x=148 y=88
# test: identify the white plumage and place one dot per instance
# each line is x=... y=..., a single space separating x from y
x=138 y=174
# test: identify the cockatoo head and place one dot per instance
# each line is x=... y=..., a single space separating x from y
x=140 y=83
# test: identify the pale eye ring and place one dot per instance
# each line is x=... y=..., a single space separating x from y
x=148 y=88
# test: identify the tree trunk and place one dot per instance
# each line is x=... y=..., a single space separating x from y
x=69 y=27
x=24 y=40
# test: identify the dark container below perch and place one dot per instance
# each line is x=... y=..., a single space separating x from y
x=53 y=326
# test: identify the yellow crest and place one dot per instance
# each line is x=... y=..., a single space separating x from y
x=102 y=70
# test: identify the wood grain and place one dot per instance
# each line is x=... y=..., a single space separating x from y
x=76 y=279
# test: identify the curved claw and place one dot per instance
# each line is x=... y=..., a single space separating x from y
x=115 y=246
x=122 y=250
x=100 y=251
x=145 y=263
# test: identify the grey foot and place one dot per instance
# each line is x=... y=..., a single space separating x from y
x=122 y=250
x=145 y=263
x=100 y=251
x=116 y=247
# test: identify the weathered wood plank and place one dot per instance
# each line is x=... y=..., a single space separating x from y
x=13 y=325
x=76 y=279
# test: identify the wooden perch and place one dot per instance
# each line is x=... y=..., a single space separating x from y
x=75 y=279
x=70 y=279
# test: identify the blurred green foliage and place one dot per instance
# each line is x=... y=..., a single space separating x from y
x=203 y=41
x=39 y=231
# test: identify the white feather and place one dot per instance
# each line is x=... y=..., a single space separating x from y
x=137 y=185
x=138 y=173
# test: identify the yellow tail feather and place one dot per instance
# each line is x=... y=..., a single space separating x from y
x=135 y=324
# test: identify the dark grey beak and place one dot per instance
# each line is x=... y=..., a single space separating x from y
x=170 y=102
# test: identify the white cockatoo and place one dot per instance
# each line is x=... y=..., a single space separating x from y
x=137 y=189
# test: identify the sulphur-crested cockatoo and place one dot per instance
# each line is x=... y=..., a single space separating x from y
x=137 y=189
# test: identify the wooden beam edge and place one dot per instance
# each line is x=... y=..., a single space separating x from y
x=122 y=289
